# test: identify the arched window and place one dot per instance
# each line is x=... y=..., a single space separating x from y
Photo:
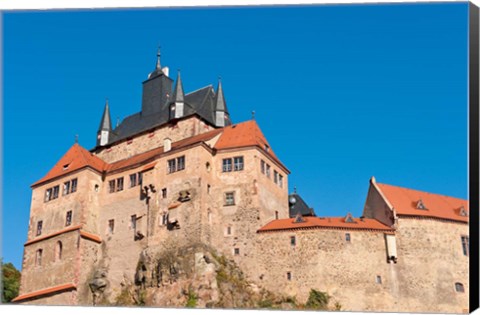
x=459 y=287
x=58 y=251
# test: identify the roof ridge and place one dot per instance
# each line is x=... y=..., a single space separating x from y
x=422 y=191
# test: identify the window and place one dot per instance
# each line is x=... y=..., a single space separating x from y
x=111 y=186
x=378 y=280
x=56 y=190
x=262 y=166
x=421 y=205
x=175 y=165
x=289 y=276
x=70 y=187
x=236 y=251
x=73 y=187
x=459 y=287
x=229 y=198
x=172 y=166
x=347 y=237
x=66 y=188
x=267 y=171
x=227 y=165
x=58 y=251
x=38 y=258
x=280 y=181
x=165 y=219
x=208 y=188
x=181 y=163
x=68 y=218
x=276 y=215
x=466 y=245
x=111 y=226
x=39 y=227
x=140 y=178
x=133 y=223
x=275 y=177
x=167 y=145
x=52 y=193
x=238 y=163
x=133 y=180
x=164 y=193
x=229 y=230
x=293 y=241
x=120 y=184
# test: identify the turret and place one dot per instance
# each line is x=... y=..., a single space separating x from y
x=222 y=118
x=178 y=99
x=105 y=128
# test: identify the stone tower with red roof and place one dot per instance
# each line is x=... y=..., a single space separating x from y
x=179 y=172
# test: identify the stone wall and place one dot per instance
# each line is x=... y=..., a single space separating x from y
x=324 y=260
x=430 y=262
x=182 y=129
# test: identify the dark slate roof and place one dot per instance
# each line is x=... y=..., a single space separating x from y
x=106 y=122
x=299 y=206
x=199 y=102
x=220 y=104
x=178 y=95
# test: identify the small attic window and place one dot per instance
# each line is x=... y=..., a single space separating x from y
x=299 y=218
x=233 y=125
x=266 y=147
x=65 y=167
x=349 y=218
x=420 y=205
x=462 y=212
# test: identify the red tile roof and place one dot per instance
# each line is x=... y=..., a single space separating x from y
x=404 y=201
x=244 y=134
x=332 y=223
x=76 y=158
x=55 y=289
x=90 y=236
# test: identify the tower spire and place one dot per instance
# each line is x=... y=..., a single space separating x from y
x=221 y=112
x=105 y=126
x=158 y=66
x=178 y=94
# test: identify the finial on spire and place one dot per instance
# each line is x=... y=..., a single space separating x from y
x=253 y=115
x=294 y=189
x=158 y=58
x=76 y=138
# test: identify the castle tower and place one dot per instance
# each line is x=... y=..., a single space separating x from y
x=156 y=90
x=105 y=128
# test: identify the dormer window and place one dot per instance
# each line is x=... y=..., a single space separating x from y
x=65 y=167
x=349 y=218
x=420 y=205
x=462 y=212
x=299 y=218
x=172 y=111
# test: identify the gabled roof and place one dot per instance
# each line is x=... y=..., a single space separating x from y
x=76 y=158
x=299 y=206
x=245 y=134
x=332 y=223
x=47 y=291
x=405 y=201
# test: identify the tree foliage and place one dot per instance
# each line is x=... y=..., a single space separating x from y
x=10 y=282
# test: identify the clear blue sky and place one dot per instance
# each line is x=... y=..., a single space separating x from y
x=341 y=92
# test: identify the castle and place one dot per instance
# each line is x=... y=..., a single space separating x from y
x=181 y=170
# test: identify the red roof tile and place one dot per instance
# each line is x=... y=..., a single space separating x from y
x=91 y=236
x=404 y=201
x=245 y=134
x=41 y=238
x=76 y=158
x=317 y=222
x=55 y=289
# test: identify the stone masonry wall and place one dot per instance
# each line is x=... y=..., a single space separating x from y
x=430 y=262
x=322 y=259
x=183 y=128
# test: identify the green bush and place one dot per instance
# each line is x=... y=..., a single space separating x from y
x=10 y=282
x=192 y=299
x=317 y=300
